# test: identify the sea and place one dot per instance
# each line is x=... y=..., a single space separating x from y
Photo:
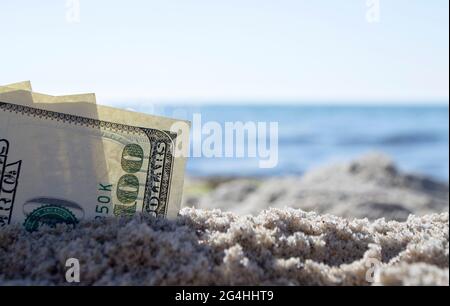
x=415 y=137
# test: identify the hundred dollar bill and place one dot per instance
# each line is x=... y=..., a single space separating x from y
x=67 y=162
x=25 y=85
x=43 y=98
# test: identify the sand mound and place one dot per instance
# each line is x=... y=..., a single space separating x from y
x=277 y=247
x=370 y=187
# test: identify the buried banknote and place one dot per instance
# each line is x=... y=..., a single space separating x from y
x=63 y=163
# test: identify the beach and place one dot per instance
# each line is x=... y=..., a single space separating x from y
x=238 y=144
x=364 y=222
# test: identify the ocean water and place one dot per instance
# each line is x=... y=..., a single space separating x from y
x=416 y=137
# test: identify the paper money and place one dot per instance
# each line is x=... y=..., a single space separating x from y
x=25 y=85
x=67 y=162
x=43 y=98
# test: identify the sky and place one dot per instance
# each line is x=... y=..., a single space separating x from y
x=233 y=51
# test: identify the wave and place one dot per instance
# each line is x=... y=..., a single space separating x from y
x=406 y=139
x=298 y=140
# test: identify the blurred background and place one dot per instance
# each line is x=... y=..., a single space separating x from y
x=341 y=77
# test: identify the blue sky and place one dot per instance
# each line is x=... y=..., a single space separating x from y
x=230 y=51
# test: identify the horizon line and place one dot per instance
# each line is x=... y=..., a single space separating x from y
x=244 y=102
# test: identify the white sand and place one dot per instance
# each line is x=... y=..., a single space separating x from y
x=278 y=247
x=369 y=187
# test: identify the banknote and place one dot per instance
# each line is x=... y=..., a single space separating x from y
x=67 y=162
x=25 y=85
x=44 y=98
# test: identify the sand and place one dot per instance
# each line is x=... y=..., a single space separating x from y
x=278 y=247
x=369 y=187
x=275 y=246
